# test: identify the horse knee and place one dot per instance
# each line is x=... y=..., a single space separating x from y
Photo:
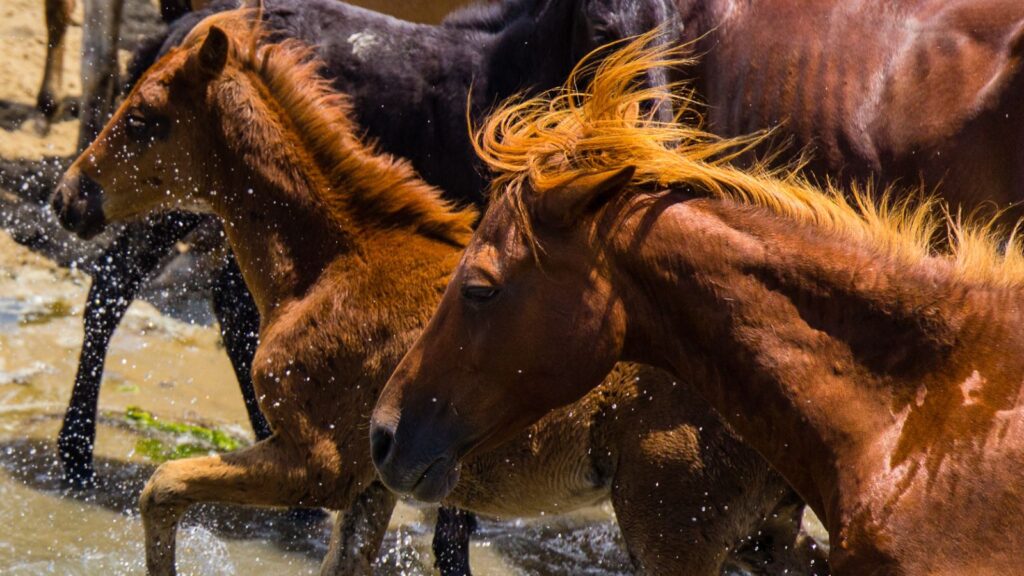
x=163 y=498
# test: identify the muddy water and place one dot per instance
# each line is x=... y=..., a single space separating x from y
x=178 y=372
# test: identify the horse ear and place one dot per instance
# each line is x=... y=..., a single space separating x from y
x=213 y=54
x=562 y=206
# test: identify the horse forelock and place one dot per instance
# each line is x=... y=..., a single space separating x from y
x=535 y=145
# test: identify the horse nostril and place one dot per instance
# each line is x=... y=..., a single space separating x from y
x=381 y=441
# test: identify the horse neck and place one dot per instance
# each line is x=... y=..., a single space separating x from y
x=269 y=193
x=814 y=347
x=408 y=83
x=394 y=71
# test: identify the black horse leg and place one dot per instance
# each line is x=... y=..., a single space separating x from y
x=239 y=327
x=117 y=279
x=451 y=541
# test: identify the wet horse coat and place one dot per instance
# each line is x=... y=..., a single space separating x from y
x=809 y=85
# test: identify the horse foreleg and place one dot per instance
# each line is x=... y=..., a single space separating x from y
x=239 y=327
x=121 y=268
x=58 y=16
x=358 y=533
x=100 y=34
x=684 y=497
x=269 y=473
x=451 y=541
x=781 y=544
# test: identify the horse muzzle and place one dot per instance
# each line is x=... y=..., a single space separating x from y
x=422 y=465
x=78 y=204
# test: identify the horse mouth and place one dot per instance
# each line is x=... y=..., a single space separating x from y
x=437 y=481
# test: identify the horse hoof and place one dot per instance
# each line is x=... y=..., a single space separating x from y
x=47 y=104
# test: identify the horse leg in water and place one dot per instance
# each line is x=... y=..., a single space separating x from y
x=451 y=541
x=240 y=322
x=364 y=522
x=273 y=472
x=239 y=328
x=100 y=33
x=133 y=255
x=781 y=547
x=48 y=100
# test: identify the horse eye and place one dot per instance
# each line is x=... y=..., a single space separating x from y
x=479 y=294
x=136 y=126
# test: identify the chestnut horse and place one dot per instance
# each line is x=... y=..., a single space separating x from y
x=346 y=253
x=882 y=378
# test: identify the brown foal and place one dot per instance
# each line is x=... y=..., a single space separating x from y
x=884 y=380
x=346 y=253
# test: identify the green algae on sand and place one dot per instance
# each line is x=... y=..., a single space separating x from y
x=187 y=440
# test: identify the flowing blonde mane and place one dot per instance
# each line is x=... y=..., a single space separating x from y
x=541 y=143
x=365 y=185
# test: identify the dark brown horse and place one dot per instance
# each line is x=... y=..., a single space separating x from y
x=883 y=380
x=346 y=253
x=908 y=91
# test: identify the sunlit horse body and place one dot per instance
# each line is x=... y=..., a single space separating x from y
x=883 y=380
x=346 y=254
x=424 y=73
x=763 y=63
